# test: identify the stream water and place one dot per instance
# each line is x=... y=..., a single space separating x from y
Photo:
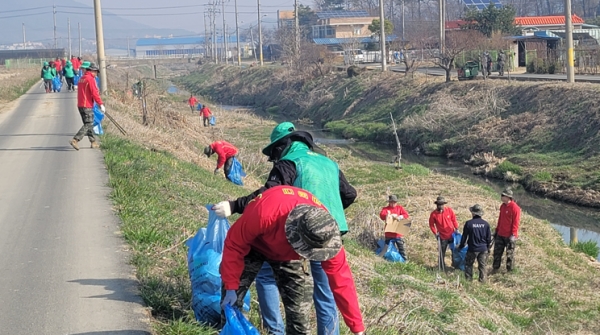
x=567 y=219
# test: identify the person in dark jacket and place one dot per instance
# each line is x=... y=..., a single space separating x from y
x=478 y=236
x=297 y=161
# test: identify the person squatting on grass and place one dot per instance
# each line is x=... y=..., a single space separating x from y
x=477 y=235
x=442 y=222
x=299 y=162
x=286 y=227
x=87 y=94
x=397 y=212
x=225 y=153
x=206 y=114
x=507 y=231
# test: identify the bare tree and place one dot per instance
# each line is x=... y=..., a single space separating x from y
x=456 y=43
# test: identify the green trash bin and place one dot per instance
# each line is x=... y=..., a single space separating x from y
x=468 y=71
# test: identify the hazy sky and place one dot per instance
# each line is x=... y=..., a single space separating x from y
x=194 y=19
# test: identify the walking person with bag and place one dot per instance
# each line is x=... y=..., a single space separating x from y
x=69 y=74
x=206 y=114
x=87 y=95
x=442 y=222
x=477 y=235
x=396 y=211
x=299 y=162
x=226 y=152
x=47 y=74
x=507 y=231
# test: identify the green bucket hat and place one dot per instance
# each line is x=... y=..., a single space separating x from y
x=313 y=233
x=476 y=210
x=279 y=132
x=85 y=65
x=46 y=64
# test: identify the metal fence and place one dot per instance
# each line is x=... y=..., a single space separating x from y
x=23 y=63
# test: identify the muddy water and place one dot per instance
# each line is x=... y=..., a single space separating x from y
x=565 y=218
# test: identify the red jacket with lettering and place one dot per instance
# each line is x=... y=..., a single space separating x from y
x=192 y=101
x=224 y=150
x=205 y=111
x=509 y=220
x=398 y=210
x=262 y=228
x=87 y=92
x=443 y=222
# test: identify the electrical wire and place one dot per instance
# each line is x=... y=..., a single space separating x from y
x=23 y=10
x=23 y=15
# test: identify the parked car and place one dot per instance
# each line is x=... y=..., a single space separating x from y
x=354 y=56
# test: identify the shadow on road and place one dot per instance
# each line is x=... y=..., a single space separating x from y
x=121 y=290
x=65 y=148
x=11 y=135
x=116 y=332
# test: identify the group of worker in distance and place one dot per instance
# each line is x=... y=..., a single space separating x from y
x=288 y=239
x=205 y=112
x=476 y=233
x=60 y=68
x=486 y=63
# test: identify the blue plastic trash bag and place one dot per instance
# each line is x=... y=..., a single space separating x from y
x=392 y=254
x=199 y=107
x=213 y=120
x=98 y=117
x=56 y=84
x=76 y=80
x=458 y=256
x=236 y=323
x=204 y=259
x=236 y=173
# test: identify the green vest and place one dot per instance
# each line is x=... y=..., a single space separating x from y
x=69 y=71
x=320 y=176
x=47 y=73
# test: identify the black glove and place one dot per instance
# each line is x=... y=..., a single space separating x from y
x=216 y=171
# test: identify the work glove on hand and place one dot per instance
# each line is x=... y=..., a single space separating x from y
x=359 y=333
x=230 y=299
x=512 y=239
x=222 y=209
x=102 y=108
x=395 y=216
x=216 y=171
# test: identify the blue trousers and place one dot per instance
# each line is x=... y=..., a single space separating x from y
x=268 y=300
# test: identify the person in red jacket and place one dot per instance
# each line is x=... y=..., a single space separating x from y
x=398 y=212
x=442 y=222
x=225 y=153
x=59 y=67
x=192 y=102
x=206 y=114
x=76 y=63
x=507 y=231
x=87 y=94
x=287 y=227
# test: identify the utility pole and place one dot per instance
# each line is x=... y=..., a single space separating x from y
x=54 y=17
x=79 y=29
x=100 y=46
x=252 y=40
x=128 y=48
x=224 y=32
x=297 y=26
x=69 y=34
x=237 y=36
x=214 y=24
x=442 y=25
x=403 y=23
x=569 y=33
x=382 y=37
x=24 y=37
x=260 y=35
x=205 y=36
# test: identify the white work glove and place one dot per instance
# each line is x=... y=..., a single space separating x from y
x=230 y=299
x=359 y=333
x=401 y=217
x=102 y=108
x=222 y=209
x=395 y=216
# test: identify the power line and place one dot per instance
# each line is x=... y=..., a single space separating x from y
x=157 y=14
x=24 y=10
x=23 y=15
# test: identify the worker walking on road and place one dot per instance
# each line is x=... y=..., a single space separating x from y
x=507 y=231
x=396 y=211
x=477 y=235
x=225 y=153
x=192 y=102
x=69 y=74
x=47 y=75
x=87 y=95
x=442 y=222
x=286 y=227
x=299 y=162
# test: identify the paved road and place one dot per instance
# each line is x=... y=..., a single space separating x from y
x=63 y=268
x=522 y=77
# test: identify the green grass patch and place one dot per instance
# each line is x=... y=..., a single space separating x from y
x=507 y=166
x=589 y=248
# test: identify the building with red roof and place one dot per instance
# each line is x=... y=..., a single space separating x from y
x=550 y=22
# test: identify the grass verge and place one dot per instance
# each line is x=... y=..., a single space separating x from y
x=15 y=82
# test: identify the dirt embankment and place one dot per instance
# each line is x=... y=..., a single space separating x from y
x=542 y=135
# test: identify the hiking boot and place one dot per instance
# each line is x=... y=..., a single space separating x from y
x=95 y=145
x=74 y=144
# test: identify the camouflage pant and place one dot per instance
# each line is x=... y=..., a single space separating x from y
x=481 y=264
x=501 y=243
x=295 y=287
x=87 y=116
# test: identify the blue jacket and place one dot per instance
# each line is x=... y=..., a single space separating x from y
x=477 y=235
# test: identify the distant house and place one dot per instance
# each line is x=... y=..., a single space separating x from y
x=343 y=27
x=551 y=22
x=285 y=19
x=178 y=47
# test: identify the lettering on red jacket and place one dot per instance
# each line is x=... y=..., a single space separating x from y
x=87 y=92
